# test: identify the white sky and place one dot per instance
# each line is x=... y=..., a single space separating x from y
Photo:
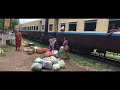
x=27 y=20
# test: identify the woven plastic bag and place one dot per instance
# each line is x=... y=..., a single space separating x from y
x=62 y=64
x=54 y=60
x=36 y=67
x=47 y=65
x=56 y=67
x=39 y=60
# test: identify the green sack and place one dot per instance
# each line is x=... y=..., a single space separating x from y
x=56 y=67
x=54 y=60
x=62 y=64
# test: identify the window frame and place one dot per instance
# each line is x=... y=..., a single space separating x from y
x=72 y=23
x=64 y=24
x=90 y=26
x=50 y=28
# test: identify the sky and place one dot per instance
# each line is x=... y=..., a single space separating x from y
x=27 y=20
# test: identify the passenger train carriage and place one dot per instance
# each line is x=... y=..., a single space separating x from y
x=84 y=35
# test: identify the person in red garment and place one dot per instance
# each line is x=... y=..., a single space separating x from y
x=18 y=38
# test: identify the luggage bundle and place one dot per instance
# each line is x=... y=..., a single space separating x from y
x=48 y=63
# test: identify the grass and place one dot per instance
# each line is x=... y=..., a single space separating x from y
x=6 y=49
x=92 y=63
x=83 y=61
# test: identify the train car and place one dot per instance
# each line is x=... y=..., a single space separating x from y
x=84 y=35
x=33 y=30
x=87 y=35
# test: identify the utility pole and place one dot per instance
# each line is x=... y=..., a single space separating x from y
x=10 y=25
x=3 y=32
x=46 y=26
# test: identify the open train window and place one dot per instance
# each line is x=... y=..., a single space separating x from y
x=42 y=27
x=115 y=22
x=90 y=25
x=50 y=27
x=72 y=26
x=63 y=25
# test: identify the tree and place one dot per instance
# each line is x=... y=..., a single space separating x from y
x=12 y=24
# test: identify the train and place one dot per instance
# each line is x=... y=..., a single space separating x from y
x=84 y=35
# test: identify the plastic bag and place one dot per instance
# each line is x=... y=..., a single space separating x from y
x=39 y=50
x=47 y=65
x=36 y=67
x=61 y=48
x=39 y=60
x=54 y=60
x=55 y=52
x=56 y=67
x=62 y=64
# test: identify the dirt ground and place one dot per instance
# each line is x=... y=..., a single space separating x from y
x=20 y=61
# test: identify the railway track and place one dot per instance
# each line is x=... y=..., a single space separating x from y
x=106 y=60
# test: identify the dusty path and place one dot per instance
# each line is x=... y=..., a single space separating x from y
x=20 y=61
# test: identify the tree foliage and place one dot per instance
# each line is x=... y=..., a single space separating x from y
x=12 y=24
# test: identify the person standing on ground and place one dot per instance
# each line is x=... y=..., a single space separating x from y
x=55 y=45
x=66 y=48
x=50 y=43
x=18 y=37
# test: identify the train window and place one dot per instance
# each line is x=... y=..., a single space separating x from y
x=36 y=27
x=30 y=28
x=115 y=22
x=90 y=25
x=42 y=27
x=50 y=27
x=72 y=26
x=63 y=25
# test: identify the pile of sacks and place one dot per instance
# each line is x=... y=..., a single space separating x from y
x=45 y=51
x=49 y=63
